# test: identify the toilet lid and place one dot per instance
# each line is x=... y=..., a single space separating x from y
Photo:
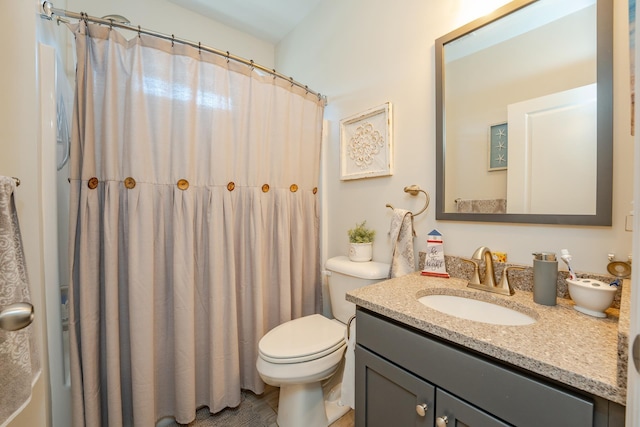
x=301 y=340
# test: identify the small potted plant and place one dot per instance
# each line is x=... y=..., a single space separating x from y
x=361 y=242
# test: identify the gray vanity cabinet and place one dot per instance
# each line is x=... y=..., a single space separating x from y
x=405 y=377
x=391 y=396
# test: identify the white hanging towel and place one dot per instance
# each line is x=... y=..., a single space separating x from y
x=402 y=233
x=434 y=264
x=347 y=394
x=19 y=359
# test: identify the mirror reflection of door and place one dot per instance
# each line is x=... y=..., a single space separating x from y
x=553 y=153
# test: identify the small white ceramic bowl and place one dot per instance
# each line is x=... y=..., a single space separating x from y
x=591 y=296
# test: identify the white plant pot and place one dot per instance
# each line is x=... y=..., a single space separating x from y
x=360 y=252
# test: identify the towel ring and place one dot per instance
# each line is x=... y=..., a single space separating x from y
x=414 y=190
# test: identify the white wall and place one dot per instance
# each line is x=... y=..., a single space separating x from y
x=362 y=53
x=168 y=18
x=19 y=121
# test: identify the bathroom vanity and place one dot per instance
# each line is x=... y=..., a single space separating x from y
x=416 y=366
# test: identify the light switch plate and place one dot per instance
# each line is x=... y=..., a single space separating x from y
x=628 y=223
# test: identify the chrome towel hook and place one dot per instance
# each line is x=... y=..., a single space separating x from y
x=414 y=190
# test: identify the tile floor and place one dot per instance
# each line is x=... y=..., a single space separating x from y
x=254 y=411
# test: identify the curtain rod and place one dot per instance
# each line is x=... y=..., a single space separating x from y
x=48 y=11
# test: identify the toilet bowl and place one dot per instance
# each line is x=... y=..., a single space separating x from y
x=302 y=350
x=300 y=354
x=297 y=356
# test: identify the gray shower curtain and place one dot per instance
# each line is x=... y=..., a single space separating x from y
x=194 y=225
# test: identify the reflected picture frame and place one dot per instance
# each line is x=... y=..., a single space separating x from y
x=498 y=156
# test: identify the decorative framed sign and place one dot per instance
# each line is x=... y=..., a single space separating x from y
x=366 y=146
x=498 y=147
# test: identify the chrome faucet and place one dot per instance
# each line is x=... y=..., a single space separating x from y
x=489 y=282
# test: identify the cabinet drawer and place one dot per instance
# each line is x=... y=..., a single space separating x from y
x=505 y=393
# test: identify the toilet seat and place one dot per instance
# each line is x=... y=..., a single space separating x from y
x=301 y=340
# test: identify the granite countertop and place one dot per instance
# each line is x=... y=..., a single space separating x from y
x=575 y=349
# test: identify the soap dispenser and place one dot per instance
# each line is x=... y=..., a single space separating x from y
x=545 y=278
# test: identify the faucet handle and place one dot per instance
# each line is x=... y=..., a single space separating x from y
x=504 y=280
x=475 y=278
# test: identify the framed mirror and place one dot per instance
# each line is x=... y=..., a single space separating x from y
x=524 y=115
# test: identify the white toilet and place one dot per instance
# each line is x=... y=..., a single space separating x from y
x=298 y=355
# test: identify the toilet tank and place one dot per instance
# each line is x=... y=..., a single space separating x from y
x=345 y=275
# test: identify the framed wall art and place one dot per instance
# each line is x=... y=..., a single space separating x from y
x=498 y=147
x=366 y=145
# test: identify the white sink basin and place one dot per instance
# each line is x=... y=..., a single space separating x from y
x=479 y=311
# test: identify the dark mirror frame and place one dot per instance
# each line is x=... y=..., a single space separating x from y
x=604 y=189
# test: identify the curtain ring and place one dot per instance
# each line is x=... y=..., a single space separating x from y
x=274 y=73
x=227 y=56
x=110 y=24
x=139 y=31
x=82 y=19
x=172 y=39
x=291 y=80
x=199 y=48
x=252 y=67
x=85 y=19
x=307 y=89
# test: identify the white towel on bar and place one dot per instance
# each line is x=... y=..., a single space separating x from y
x=347 y=394
x=401 y=234
x=19 y=359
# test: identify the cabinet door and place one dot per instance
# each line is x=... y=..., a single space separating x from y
x=387 y=395
x=454 y=412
